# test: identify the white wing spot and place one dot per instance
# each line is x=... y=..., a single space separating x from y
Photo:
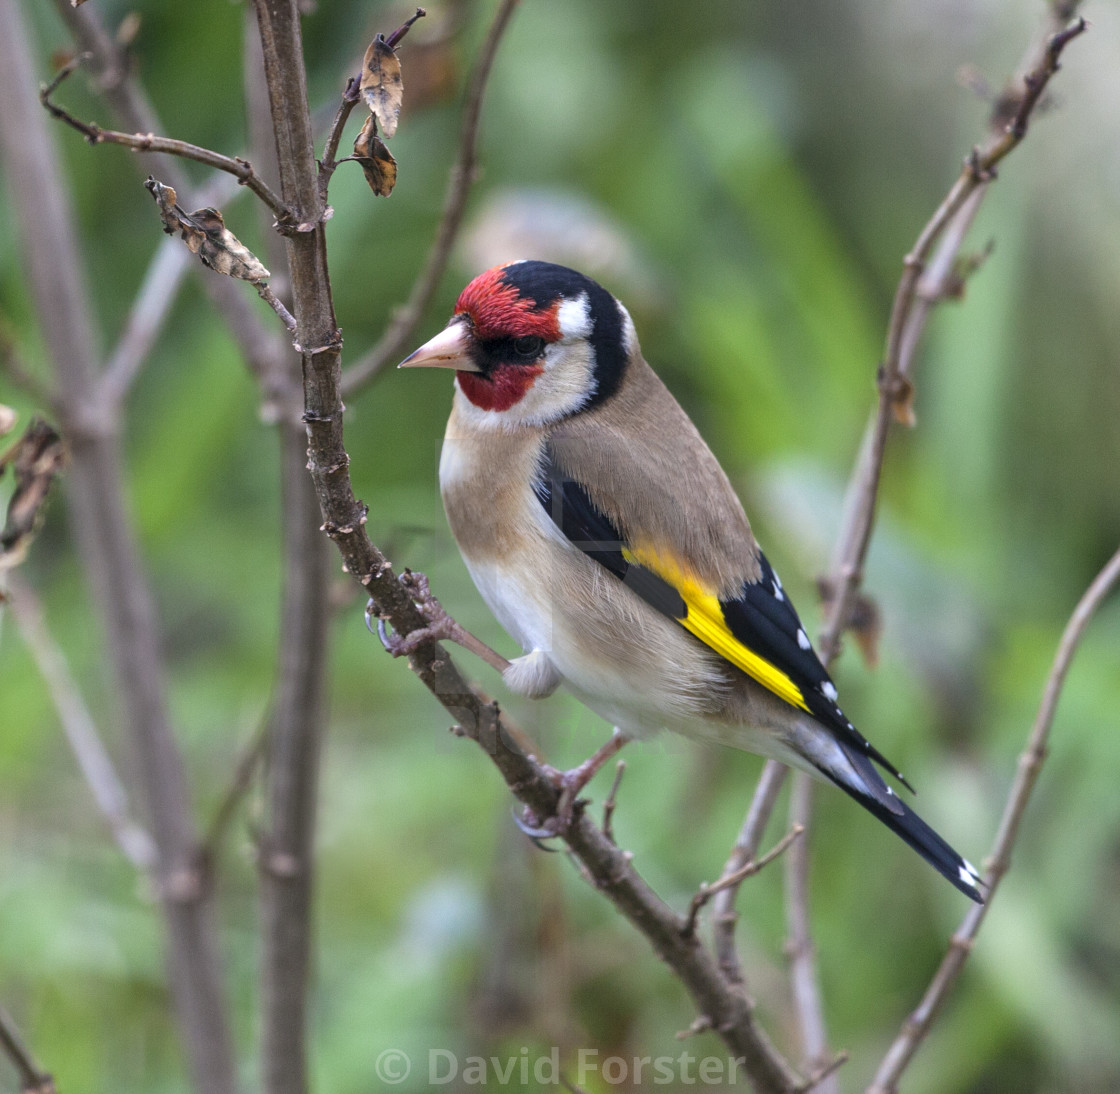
x=778 y=594
x=968 y=876
x=828 y=690
x=803 y=640
x=890 y=791
x=971 y=869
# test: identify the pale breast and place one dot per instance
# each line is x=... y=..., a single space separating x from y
x=637 y=668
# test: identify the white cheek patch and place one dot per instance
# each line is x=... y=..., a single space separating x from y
x=629 y=332
x=574 y=318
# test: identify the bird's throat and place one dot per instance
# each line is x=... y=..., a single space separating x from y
x=500 y=388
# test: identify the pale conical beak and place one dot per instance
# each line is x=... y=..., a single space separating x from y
x=448 y=349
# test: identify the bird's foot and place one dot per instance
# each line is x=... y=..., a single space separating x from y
x=439 y=626
x=569 y=783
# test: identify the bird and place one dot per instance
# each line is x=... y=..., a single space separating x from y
x=605 y=537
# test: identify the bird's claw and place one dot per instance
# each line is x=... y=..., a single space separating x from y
x=440 y=626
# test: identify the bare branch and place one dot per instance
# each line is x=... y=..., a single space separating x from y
x=736 y=878
x=611 y=799
x=239 y=785
x=113 y=570
x=918 y=1024
x=800 y=947
x=20 y=374
x=405 y=320
x=724 y=916
x=152 y=306
x=277 y=305
x=32 y=1079
x=81 y=730
x=241 y=169
x=978 y=171
x=910 y=312
x=267 y=355
x=344 y=519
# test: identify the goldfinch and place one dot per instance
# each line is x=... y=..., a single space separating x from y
x=605 y=537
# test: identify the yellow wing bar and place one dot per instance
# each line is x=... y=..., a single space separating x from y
x=704 y=618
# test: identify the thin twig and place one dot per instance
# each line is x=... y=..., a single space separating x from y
x=733 y=880
x=80 y=729
x=918 y=1024
x=351 y=95
x=110 y=555
x=978 y=171
x=276 y=304
x=612 y=796
x=241 y=169
x=724 y=916
x=344 y=522
x=800 y=948
x=152 y=306
x=266 y=353
x=404 y=322
x=32 y=1079
x=826 y=1072
x=244 y=770
x=20 y=375
x=909 y=314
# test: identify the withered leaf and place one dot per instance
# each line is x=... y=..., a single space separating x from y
x=377 y=161
x=36 y=458
x=902 y=403
x=381 y=84
x=867 y=628
x=206 y=234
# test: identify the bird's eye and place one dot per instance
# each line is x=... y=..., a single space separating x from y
x=529 y=347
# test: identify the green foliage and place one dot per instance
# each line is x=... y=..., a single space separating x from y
x=765 y=177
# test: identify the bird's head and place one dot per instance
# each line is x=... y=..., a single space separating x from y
x=531 y=343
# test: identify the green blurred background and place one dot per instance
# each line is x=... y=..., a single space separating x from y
x=746 y=177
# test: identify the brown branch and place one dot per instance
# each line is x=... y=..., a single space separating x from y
x=978 y=171
x=239 y=785
x=286 y=858
x=241 y=169
x=351 y=95
x=151 y=308
x=32 y=1078
x=724 y=916
x=294 y=746
x=611 y=801
x=20 y=375
x=924 y=282
x=81 y=731
x=807 y=998
x=267 y=355
x=113 y=571
x=918 y=1024
x=404 y=322
x=734 y=879
x=344 y=517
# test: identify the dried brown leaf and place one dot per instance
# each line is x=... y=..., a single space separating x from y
x=381 y=85
x=866 y=624
x=36 y=458
x=865 y=621
x=902 y=403
x=205 y=233
x=377 y=161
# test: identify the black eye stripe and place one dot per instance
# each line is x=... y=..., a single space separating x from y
x=492 y=352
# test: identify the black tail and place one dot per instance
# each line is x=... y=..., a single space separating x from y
x=879 y=800
x=926 y=842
